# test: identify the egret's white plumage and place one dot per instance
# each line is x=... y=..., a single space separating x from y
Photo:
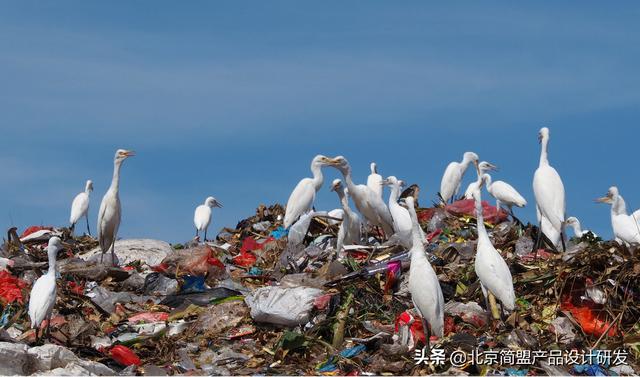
x=110 y=210
x=504 y=193
x=336 y=213
x=574 y=223
x=80 y=207
x=302 y=197
x=202 y=215
x=483 y=167
x=350 y=231
x=369 y=203
x=549 y=193
x=625 y=227
x=424 y=286
x=43 y=293
x=490 y=267
x=452 y=177
x=374 y=180
x=402 y=225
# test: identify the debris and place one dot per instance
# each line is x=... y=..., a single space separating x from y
x=282 y=306
x=149 y=252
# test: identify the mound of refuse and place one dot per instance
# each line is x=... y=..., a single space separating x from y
x=256 y=302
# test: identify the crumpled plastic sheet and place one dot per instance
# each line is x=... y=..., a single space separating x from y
x=282 y=306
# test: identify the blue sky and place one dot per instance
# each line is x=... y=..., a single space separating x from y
x=233 y=99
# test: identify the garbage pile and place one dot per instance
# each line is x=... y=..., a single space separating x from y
x=261 y=300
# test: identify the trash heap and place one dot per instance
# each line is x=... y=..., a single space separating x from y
x=261 y=300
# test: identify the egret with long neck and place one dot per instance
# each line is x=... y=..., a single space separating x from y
x=80 y=207
x=549 y=193
x=424 y=285
x=492 y=270
x=43 y=293
x=452 y=177
x=401 y=219
x=202 y=215
x=304 y=194
x=374 y=180
x=504 y=193
x=370 y=205
x=625 y=227
x=350 y=231
x=483 y=167
x=110 y=209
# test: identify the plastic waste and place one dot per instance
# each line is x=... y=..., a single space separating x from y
x=158 y=284
x=124 y=355
x=11 y=288
x=282 y=306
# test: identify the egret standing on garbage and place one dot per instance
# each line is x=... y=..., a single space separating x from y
x=43 y=293
x=549 y=193
x=492 y=270
x=368 y=202
x=402 y=225
x=80 y=207
x=625 y=227
x=374 y=180
x=302 y=197
x=483 y=167
x=504 y=193
x=202 y=215
x=110 y=210
x=452 y=177
x=424 y=286
x=574 y=223
x=350 y=231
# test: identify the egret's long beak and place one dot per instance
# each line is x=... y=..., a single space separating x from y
x=217 y=204
x=605 y=199
x=492 y=167
x=334 y=188
x=385 y=182
x=475 y=162
x=539 y=137
x=130 y=153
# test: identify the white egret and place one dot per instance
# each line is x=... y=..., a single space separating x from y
x=504 y=193
x=374 y=180
x=452 y=177
x=549 y=193
x=302 y=197
x=402 y=225
x=574 y=223
x=110 y=210
x=492 y=270
x=80 y=207
x=625 y=227
x=424 y=286
x=43 y=293
x=369 y=203
x=483 y=167
x=202 y=215
x=337 y=214
x=350 y=231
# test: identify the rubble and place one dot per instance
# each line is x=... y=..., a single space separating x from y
x=260 y=300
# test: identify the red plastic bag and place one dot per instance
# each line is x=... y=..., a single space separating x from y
x=468 y=207
x=76 y=288
x=416 y=332
x=11 y=288
x=245 y=259
x=591 y=323
x=149 y=317
x=33 y=229
x=124 y=356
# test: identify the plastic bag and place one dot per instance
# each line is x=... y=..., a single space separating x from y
x=282 y=306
